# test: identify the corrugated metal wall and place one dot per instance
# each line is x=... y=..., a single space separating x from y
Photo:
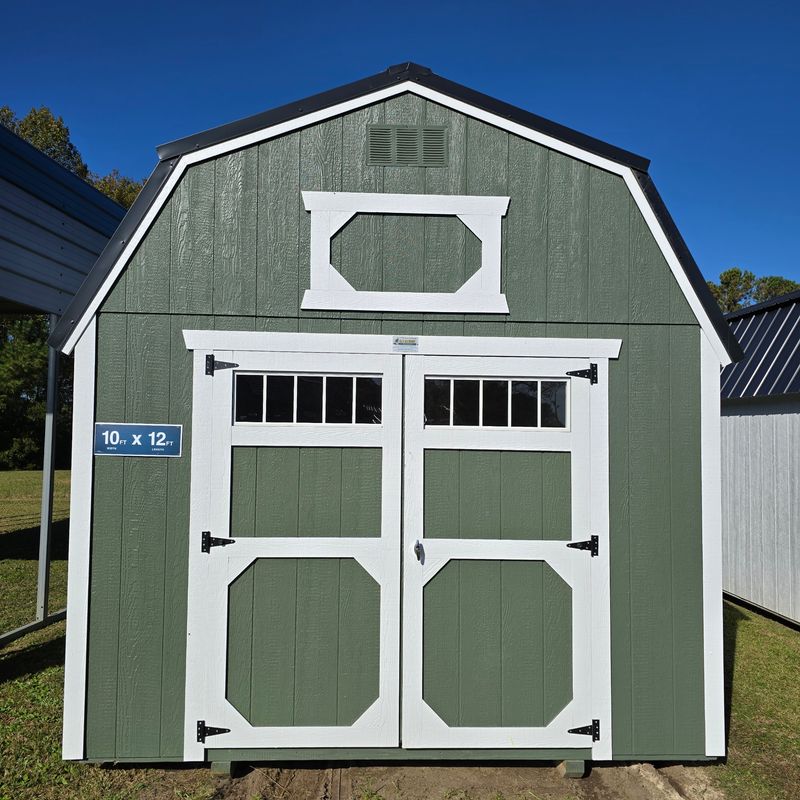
x=761 y=504
x=53 y=226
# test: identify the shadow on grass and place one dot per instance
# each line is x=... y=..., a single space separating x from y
x=23 y=545
x=731 y=618
x=29 y=660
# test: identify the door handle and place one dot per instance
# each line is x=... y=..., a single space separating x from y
x=418 y=551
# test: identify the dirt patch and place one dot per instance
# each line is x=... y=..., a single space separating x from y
x=632 y=782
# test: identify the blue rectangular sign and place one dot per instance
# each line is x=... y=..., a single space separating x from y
x=129 y=439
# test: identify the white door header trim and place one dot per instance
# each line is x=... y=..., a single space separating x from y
x=202 y=340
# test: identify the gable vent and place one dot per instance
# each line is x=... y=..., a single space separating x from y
x=406 y=146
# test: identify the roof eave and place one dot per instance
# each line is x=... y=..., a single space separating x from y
x=689 y=265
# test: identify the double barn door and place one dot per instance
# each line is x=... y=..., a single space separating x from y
x=381 y=552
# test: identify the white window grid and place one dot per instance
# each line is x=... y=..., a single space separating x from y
x=538 y=381
x=295 y=376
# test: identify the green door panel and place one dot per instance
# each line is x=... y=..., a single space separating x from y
x=303 y=642
x=305 y=491
x=497 y=643
x=378 y=252
x=488 y=494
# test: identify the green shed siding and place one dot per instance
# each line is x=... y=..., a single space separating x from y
x=488 y=494
x=497 y=643
x=327 y=676
x=230 y=250
x=322 y=491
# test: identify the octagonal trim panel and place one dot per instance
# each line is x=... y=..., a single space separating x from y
x=303 y=642
x=497 y=644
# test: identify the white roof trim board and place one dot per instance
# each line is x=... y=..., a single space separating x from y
x=255 y=137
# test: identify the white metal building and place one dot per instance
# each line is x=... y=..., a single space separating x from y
x=761 y=458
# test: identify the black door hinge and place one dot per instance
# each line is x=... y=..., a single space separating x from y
x=592 y=544
x=204 y=730
x=212 y=365
x=208 y=541
x=590 y=373
x=592 y=730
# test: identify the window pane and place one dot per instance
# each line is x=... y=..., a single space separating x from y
x=339 y=400
x=495 y=403
x=309 y=398
x=280 y=398
x=249 y=398
x=524 y=402
x=437 y=401
x=368 y=401
x=465 y=402
x=554 y=404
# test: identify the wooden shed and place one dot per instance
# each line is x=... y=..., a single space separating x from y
x=761 y=458
x=415 y=402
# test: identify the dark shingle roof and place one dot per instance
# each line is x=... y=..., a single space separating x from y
x=769 y=334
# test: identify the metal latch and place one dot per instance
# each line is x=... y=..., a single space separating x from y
x=592 y=730
x=204 y=730
x=419 y=551
x=212 y=365
x=592 y=544
x=208 y=541
x=590 y=373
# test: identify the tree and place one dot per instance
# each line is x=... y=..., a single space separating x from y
x=739 y=288
x=120 y=189
x=734 y=290
x=23 y=393
x=48 y=133
x=773 y=286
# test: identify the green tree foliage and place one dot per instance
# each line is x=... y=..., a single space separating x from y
x=739 y=288
x=23 y=393
x=773 y=286
x=48 y=133
x=120 y=189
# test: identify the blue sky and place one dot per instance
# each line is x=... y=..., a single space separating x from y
x=709 y=91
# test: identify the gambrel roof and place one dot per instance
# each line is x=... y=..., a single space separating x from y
x=176 y=156
x=769 y=334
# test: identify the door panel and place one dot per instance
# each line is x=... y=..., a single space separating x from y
x=295 y=642
x=489 y=494
x=306 y=491
x=497 y=643
x=496 y=607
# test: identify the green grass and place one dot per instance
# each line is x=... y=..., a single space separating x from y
x=20 y=502
x=762 y=665
x=32 y=672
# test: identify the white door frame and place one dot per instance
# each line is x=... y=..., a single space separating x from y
x=422 y=727
x=218 y=391
x=210 y=574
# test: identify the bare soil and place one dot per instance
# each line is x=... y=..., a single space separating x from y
x=631 y=782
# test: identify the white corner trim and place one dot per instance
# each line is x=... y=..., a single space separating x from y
x=208 y=341
x=412 y=87
x=80 y=525
x=711 y=466
x=331 y=211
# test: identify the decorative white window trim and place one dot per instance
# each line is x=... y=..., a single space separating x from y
x=331 y=211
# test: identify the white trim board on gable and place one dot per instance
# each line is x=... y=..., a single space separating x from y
x=412 y=87
x=331 y=211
